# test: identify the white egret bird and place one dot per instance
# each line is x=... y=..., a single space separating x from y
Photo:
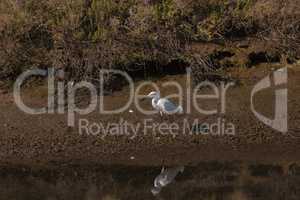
x=163 y=105
x=165 y=178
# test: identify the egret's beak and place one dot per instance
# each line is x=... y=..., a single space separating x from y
x=145 y=98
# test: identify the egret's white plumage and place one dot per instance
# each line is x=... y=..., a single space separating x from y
x=163 y=105
x=165 y=178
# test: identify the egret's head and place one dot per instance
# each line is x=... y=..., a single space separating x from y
x=153 y=94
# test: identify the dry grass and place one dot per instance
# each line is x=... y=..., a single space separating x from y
x=85 y=36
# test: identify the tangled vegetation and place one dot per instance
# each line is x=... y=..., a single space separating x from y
x=83 y=36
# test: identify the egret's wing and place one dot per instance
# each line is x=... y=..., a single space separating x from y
x=167 y=105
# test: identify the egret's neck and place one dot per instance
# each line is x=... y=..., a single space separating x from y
x=155 y=100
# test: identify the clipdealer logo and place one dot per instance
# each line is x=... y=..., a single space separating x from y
x=278 y=80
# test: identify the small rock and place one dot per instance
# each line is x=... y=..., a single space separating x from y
x=132 y=158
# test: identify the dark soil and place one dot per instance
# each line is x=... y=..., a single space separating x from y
x=45 y=141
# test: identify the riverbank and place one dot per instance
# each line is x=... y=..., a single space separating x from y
x=46 y=141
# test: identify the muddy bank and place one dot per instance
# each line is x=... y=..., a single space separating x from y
x=46 y=141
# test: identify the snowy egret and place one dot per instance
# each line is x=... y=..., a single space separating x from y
x=165 y=178
x=163 y=105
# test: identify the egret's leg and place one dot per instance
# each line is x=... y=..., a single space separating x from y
x=171 y=117
x=161 y=115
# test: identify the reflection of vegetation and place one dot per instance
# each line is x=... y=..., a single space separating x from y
x=209 y=180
